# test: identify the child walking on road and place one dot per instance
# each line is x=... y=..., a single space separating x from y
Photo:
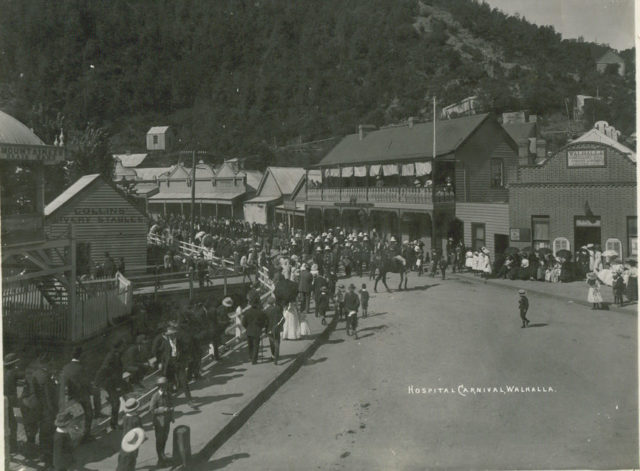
x=523 y=305
x=364 y=300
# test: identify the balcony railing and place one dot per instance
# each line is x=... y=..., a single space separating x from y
x=411 y=195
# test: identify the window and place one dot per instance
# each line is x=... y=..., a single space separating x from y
x=478 y=236
x=540 y=232
x=615 y=245
x=560 y=243
x=632 y=236
x=497 y=173
x=155 y=139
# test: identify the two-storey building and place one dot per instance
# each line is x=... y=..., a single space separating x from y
x=391 y=180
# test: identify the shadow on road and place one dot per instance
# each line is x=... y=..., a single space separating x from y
x=223 y=462
x=313 y=361
x=376 y=314
x=377 y=327
x=539 y=324
x=421 y=288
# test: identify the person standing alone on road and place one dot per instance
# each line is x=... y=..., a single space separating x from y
x=364 y=300
x=351 y=305
x=523 y=305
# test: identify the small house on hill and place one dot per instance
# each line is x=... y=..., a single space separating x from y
x=610 y=60
x=159 y=138
x=105 y=220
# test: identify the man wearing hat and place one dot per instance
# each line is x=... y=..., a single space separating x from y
x=220 y=324
x=109 y=377
x=161 y=409
x=351 y=306
x=275 y=321
x=134 y=360
x=131 y=419
x=63 y=458
x=304 y=288
x=254 y=321
x=11 y=376
x=129 y=446
x=74 y=384
x=173 y=355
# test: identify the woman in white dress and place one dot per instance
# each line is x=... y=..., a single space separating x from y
x=594 y=296
x=486 y=264
x=468 y=262
x=305 y=330
x=291 y=327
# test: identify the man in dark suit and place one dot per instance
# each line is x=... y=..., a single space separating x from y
x=75 y=386
x=134 y=360
x=319 y=282
x=173 y=355
x=304 y=288
x=109 y=378
x=275 y=321
x=45 y=389
x=11 y=376
x=254 y=321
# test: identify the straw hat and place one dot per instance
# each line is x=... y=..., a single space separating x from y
x=11 y=359
x=132 y=440
x=131 y=405
x=161 y=380
x=227 y=302
x=393 y=239
x=63 y=419
x=172 y=330
x=521 y=291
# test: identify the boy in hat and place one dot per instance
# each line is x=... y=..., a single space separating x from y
x=161 y=409
x=364 y=299
x=131 y=419
x=618 y=288
x=322 y=304
x=129 y=449
x=62 y=446
x=351 y=305
x=339 y=302
x=523 y=305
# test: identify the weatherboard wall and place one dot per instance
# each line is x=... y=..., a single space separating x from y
x=105 y=219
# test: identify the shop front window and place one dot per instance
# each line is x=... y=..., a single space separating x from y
x=632 y=236
x=561 y=243
x=497 y=173
x=540 y=232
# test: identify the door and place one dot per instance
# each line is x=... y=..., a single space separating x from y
x=477 y=236
x=500 y=243
x=587 y=231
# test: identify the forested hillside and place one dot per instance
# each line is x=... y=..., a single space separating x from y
x=236 y=76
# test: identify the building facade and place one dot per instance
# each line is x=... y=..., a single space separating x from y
x=391 y=180
x=584 y=194
x=277 y=184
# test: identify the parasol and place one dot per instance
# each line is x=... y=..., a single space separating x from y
x=610 y=253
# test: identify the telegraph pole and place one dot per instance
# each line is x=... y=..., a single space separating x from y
x=193 y=189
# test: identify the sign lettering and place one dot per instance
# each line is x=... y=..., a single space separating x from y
x=585 y=158
x=101 y=216
x=23 y=153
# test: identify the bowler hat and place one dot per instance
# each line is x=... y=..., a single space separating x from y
x=132 y=440
x=521 y=291
x=352 y=286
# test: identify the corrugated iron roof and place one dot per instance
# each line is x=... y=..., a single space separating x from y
x=262 y=199
x=130 y=160
x=286 y=177
x=187 y=196
x=253 y=178
x=13 y=131
x=403 y=142
x=151 y=172
x=520 y=132
x=70 y=192
x=157 y=129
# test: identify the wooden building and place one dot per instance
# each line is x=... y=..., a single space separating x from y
x=159 y=138
x=277 y=185
x=391 y=180
x=105 y=220
x=584 y=194
x=219 y=192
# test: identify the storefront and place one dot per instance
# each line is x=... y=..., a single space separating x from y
x=584 y=194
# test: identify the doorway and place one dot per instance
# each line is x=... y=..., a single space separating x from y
x=500 y=243
x=587 y=231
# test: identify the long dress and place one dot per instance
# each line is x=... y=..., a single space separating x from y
x=291 y=327
x=594 y=295
x=305 y=330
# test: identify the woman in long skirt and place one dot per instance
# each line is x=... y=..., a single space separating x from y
x=305 y=330
x=594 y=296
x=291 y=328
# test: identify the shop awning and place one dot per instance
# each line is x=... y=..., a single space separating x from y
x=347 y=172
x=263 y=199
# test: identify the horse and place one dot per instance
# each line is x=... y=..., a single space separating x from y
x=385 y=264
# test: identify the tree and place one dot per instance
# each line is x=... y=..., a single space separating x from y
x=88 y=153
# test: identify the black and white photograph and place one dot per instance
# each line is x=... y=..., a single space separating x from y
x=319 y=235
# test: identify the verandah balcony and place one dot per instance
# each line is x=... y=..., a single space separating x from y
x=400 y=194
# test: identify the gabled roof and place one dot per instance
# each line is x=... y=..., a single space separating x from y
x=179 y=168
x=403 y=142
x=520 y=132
x=253 y=178
x=151 y=173
x=610 y=57
x=313 y=174
x=262 y=199
x=68 y=194
x=203 y=171
x=593 y=135
x=158 y=129
x=130 y=160
x=13 y=131
x=226 y=171
x=286 y=178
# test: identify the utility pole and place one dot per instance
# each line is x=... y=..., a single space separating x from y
x=434 y=127
x=193 y=189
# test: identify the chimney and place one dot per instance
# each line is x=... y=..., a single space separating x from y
x=410 y=122
x=363 y=129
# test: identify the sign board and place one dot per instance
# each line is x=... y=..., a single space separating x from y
x=101 y=216
x=27 y=153
x=520 y=234
x=585 y=158
x=289 y=205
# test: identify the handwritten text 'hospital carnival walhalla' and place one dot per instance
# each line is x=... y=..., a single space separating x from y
x=464 y=391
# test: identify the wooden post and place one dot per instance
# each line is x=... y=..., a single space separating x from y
x=190 y=285
x=224 y=271
x=193 y=189
x=72 y=286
